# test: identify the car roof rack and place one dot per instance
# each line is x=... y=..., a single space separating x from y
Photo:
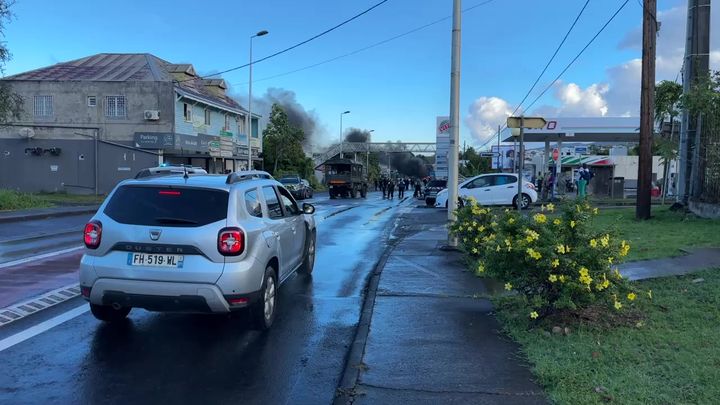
x=169 y=170
x=237 y=177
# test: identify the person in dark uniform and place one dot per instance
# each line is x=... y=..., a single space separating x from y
x=391 y=189
x=376 y=184
x=401 y=188
x=383 y=187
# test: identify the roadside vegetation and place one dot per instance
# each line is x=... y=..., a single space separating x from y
x=14 y=200
x=590 y=335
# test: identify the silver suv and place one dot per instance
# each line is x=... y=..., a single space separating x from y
x=195 y=243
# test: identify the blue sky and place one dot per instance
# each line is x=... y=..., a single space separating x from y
x=396 y=89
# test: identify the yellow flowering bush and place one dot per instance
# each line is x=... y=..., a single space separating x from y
x=554 y=258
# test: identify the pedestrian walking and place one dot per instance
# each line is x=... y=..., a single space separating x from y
x=418 y=189
x=550 y=183
x=376 y=184
x=584 y=178
x=401 y=189
x=383 y=186
x=391 y=189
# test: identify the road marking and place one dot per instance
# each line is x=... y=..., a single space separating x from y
x=39 y=303
x=42 y=327
x=39 y=257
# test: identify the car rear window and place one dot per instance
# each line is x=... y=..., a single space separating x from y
x=437 y=183
x=165 y=206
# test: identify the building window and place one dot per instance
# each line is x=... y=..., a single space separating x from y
x=187 y=112
x=241 y=127
x=43 y=106
x=227 y=123
x=91 y=101
x=115 y=107
x=207 y=116
x=254 y=126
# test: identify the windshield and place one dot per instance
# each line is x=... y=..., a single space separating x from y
x=339 y=169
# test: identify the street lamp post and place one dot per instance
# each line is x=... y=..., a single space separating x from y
x=342 y=140
x=367 y=155
x=248 y=127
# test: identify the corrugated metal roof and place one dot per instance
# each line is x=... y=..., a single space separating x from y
x=196 y=88
x=103 y=67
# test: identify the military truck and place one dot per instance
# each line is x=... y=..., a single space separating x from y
x=345 y=178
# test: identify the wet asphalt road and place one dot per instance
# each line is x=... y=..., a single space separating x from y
x=182 y=358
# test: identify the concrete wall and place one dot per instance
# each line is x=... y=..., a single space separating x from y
x=627 y=166
x=72 y=170
x=70 y=107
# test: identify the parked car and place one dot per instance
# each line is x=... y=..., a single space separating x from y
x=493 y=189
x=195 y=243
x=431 y=190
x=300 y=188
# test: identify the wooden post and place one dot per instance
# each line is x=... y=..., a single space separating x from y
x=647 y=95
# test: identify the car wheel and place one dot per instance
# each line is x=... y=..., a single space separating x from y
x=309 y=260
x=460 y=203
x=107 y=313
x=332 y=195
x=524 y=202
x=263 y=311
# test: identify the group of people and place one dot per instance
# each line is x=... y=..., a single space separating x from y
x=388 y=187
x=546 y=184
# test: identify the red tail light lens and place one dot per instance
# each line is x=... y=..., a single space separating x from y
x=231 y=241
x=92 y=234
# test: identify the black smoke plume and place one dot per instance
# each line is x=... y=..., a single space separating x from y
x=357 y=135
x=408 y=164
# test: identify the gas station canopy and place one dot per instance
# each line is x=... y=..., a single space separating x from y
x=591 y=129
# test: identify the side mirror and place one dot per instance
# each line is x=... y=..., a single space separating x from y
x=308 y=209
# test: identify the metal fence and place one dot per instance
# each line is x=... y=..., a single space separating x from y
x=709 y=161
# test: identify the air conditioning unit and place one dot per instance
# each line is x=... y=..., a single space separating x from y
x=152 y=115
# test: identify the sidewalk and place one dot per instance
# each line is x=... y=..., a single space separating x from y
x=430 y=341
x=695 y=260
x=40 y=213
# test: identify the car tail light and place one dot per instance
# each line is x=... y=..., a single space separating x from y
x=85 y=291
x=92 y=234
x=237 y=301
x=231 y=241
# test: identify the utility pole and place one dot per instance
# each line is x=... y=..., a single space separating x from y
x=697 y=61
x=499 y=165
x=454 y=119
x=647 y=98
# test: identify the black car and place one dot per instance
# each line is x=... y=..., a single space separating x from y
x=431 y=190
x=299 y=188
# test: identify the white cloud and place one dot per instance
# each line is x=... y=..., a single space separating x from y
x=578 y=102
x=485 y=114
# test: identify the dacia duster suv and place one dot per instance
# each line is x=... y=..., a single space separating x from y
x=195 y=243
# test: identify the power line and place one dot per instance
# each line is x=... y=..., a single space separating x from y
x=552 y=58
x=571 y=62
x=376 y=44
x=298 y=44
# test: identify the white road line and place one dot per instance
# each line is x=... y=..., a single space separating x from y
x=39 y=257
x=42 y=327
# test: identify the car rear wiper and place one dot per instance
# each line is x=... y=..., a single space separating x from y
x=170 y=220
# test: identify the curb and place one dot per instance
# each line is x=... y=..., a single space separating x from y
x=43 y=215
x=351 y=373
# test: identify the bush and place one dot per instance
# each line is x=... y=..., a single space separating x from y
x=554 y=259
x=14 y=200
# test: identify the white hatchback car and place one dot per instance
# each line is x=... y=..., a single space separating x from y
x=493 y=189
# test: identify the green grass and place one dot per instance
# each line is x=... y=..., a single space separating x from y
x=13 y=200
x=663 y=235
x=672 y=357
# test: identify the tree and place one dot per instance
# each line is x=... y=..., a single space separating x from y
x=11 y=104
x=474 y=163
x=282 y=145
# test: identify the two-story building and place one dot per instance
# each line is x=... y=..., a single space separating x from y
x=89 y=123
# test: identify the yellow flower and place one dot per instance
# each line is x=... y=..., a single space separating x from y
x=606 y=283
x=553 y=278
x=508 y=286
x=605 y=240
x=557 y=221
x=572 y=224
x=595 y=211
x=481 y=268
x=465 y=240
x=593 y=243
x=507 y=210
x=477 y=240
x=624 y=248
x=531 y=235
x=631 y=296
x=561 y=249
x=476 y=210
x=561 y=278
x=534 y=254
x=533 y=315
x=540 y=218
x=577 y=207
x=555 y=263
x=511 y=220
x=550 y=207
x=649 y=293
x=481 y=228
x=474 y=250
x=497 y=249
x=618 y=305
x=617 y=274
x=611 y=259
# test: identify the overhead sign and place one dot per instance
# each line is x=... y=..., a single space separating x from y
x=442 y=147
x=154 y=140
x=527 y=122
